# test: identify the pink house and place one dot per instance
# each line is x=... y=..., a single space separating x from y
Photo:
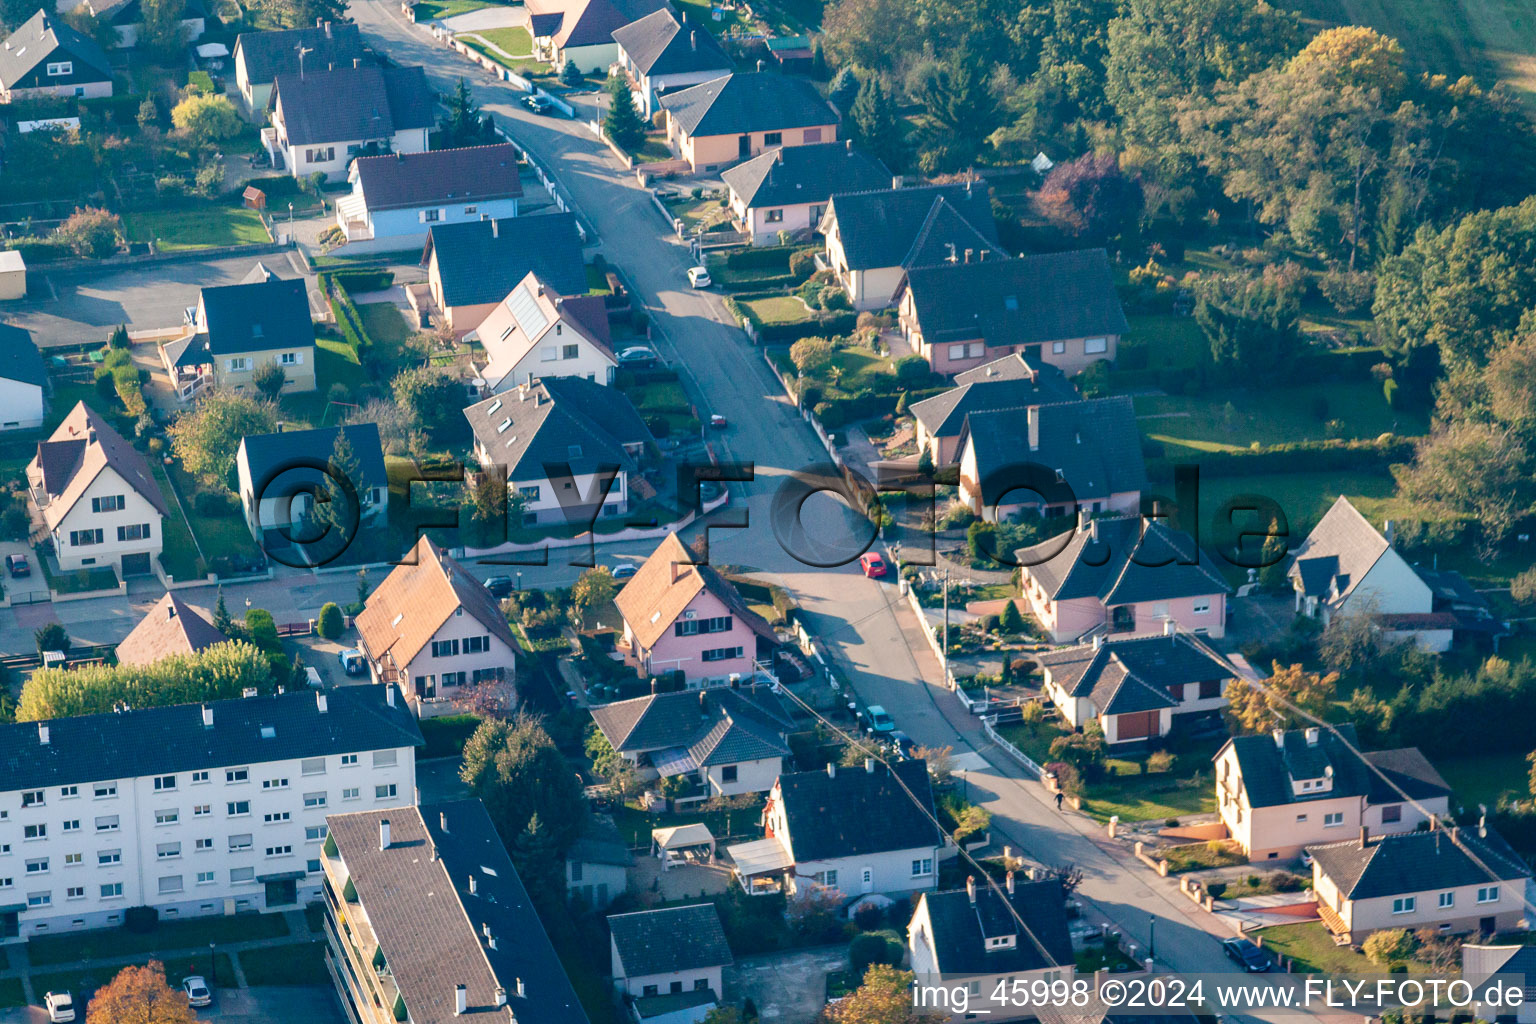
x=679 y=616
x=1122 y=574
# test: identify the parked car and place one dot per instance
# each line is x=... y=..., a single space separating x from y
x=873 y=565
x=624 y=571
x=198 y=993
x=698 y=277
x=717 y=422
x=352 y=661
x=500 y=586
x=1249 y=956
x=538 y=104
x=637 y=357
x=61 y=1007
x=903 y=743
x=17 y=565
x=879 y=721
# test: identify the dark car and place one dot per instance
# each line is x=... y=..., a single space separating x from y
x=500 y=586
x=624 y=571
x=1247 y=955
x=637 y=357
x=537 y=104
x=17 y=565
x=903 y=743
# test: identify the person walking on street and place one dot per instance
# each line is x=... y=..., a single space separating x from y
x=1060 y=796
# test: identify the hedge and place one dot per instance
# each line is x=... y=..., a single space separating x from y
x=446 y=735
x=1329 y=456
x=363 y=280
x=348 y=320
x=822 y=323
x=218 y=672
x=758 y=257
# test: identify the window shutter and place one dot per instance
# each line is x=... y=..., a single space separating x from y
x=298 y=358
x=421 y=215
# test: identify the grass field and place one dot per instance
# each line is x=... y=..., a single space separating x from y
x=777 y=309
x=1314 y=952
x=179 y=552
x=525 y=66
x=1171 y=341
x=431 y=10
x=198 y=228
x=300 y=964
x=1233 y=420
x=193 y=933
x=513 y=40
x=216 y=535
x=1483 y=778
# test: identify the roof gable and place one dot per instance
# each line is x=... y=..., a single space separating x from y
x=480 y=262
x=960 y=926
x=352 y=104
x=82 y=447
x=789 y=175
x=1270 y=768
x=1094 y=445
x=854 y=811
x=20 y=359
x=269 y=54
x=38 y=39
x=748 y=102
x=530 y=317
x=558 y=425
x=712 y=723
x=1414 y=862
x=670 y=940
x=288 y=451
x=421 y=593
x=473 y=174
x=1123 y=560
x=1341 y=549
x=262 y=314
x=878 y=228
x=170 y=627
x=666 y=584
x=944 y=415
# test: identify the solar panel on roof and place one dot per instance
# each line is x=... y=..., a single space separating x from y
x=525 y=310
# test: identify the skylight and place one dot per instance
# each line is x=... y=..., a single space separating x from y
x=501 y=427
x=268 y=732
x=494 y=406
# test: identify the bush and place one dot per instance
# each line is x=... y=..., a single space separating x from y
x=140 y=920
x=869 y=948
x=1159 y=761
x=90 y=233
x=833 y=297
x=868 y=917
x=1348 y=291
x=831 y=416
x=802 y=264
x=215 y=503
x=329 y=625
x=1389 y=946
x=1522 y=589
x=1216 y=889
x=912 y=371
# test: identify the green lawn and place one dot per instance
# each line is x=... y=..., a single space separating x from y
x=386 y=326
x=301 y=964
x=513 y=40
x=1312 y=948
x=1201 y=856
x=192 y=933
x=526 y=66
x=700 y=214
x=597 y=281
x=777 y=309
x=1483 y=778
x=225 y=535
x=700 y=12
x=1171 y=341
x=1304 y=497
x=1234 y=420
x=335 y=363
x=635 y=825
x=199 y=228
x=653 y=150
x=80 y=580
x=1149 y=798
x=179 y=552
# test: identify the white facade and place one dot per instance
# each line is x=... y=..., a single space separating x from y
x=332 y=158
x=893 y=871
x=742 y=777
x=978 y=988
x=691 y=980
x=86 y=538
x=541 y=501
x=596 y=882
x=271 y=513
x=442 y=668
x=21 y=404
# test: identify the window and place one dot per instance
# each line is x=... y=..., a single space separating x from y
x=274 y=783
x=1202 y=606
x=1447 y=899
x=6 y=883
x=967 y=350
x=1058 y=347
x=1487 y=894
x=279 y=851
x=477 y=644
x=69 y=791
x=430 y=216
x=32 y=798
x=773 y=216
x=237 y=774
x=570 y=351
x=201 y=810
x=1405 y=904
x=321 y=154
x=136 y=531
x=445 y=648
x=75 y=892
x=676 y=987
x=923 y=866
x=35 y=832
x=717 y=624
x=39 y=899
x=728 y=773
x=106 y=858
x=291 y=358
x=722 y=654
x=315 y=833
x=312 y=766
x=1210 y=688
x=61 y=67
x=167 y=817
x=1301 y=817
x=1093 y=346
x=112 y=891
x=105 y=789
x=275 y=817
x=238 y=808
x=470 y=211
x=314 y=799
x=531 y=493
x=649 y=990
x=72 y=860
x=827 y=878
x=109 y=503
x=351 y=793
x=165 y=851
x=239 y=842
x=106 y=823
x=205 y=878
x=812 y=135
x=773 y=138
x=1391 y=813
x=237 y=365
x=202 y=845
x=1333 y=819
x=383 y=758
x=384 y=792
x=38 y=866
x=199 y=777
x=242 y=874
x=347 y=760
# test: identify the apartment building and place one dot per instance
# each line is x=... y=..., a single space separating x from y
x=218 y=808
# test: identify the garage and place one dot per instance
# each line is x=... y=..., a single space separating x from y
x=1135 y=725
x=136 y=565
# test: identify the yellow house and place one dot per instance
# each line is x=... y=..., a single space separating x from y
x=733 y=118
x=236 y=329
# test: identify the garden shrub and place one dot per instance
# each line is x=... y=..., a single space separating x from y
x=1389 y=946
x=830 y=415
x=215 y=503
x=802 y=264
x=834 y=298
x=869 y=948
x=329 y=625
x=912 y=371
x=1216 y=889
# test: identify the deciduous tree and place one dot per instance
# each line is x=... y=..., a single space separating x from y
x=1091 y=198
x=885 y=997
x=593 y=589
x=206 y=120
x=1290 y=697
x=139 y=995
x=269 y=379
x=207 y=437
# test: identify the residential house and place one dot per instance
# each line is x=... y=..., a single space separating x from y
x=1050 y=459
x=597 y=863
x=1007 y=383
x=23 y=380
x=46 y=57
x=472 y=267
x=1280 y=793
x=534 y=332
x=581 y=32
x=726 y=741
x=260 y=57
x=662 y=52
x=195 y=810
x=661 y=955
x=427 y=921
x=991 y=934
x=127 y=19
x=237 y=328
x=1345 y=567
x=789 y=188
x=435 y=629
x=1122 y=574
x=857 y=831
x=323 y=120
x=1494 y=971
x=873 y=237
x=172 y=627
x=282 y=475
x=680 y=616
x=13 y=267
x=1059 y=308
x=1455 y=604
x=1454 y=880
x=98 y=497
x=737 y=116
x=398 y=197
x=1136 y=688
x=571 y=448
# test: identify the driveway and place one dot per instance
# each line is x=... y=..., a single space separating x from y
x=787 y=988
x=24 y=589
x=487 y=18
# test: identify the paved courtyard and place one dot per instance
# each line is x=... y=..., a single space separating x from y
x=787 y=988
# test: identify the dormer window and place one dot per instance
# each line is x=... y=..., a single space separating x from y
x=1002 y=942
x=61 y=67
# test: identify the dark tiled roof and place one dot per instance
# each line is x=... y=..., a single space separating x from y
x=131 y=12
x=470 y=175
x=269 y=54
x=261 y=315
x=170 y=627
x=267 y=455
x=1514 y=964
x=947 y=236
x=156 y=741
x=659 y=45
x=353 y=104
x=748 y=102
x=878 y=228
x=593 y=22
x=715 y=723
x=1414 y=862
x=961 y=928
x=19 y=358
x=38 y=39
x=671 y=940
x=1124 y=565
x=1114 y=674
x=480 y=265
x=558 y=420
x=431 y=928
x=1343 y=546
x=858 y=812
x=1025 y=301
x=1267 y=771
x=804 y=174
x=599 y=843
x=944 y=415
x=82 y=445
x=1095 y=444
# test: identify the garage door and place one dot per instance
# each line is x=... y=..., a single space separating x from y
x=136 y=565
x=1136 y=725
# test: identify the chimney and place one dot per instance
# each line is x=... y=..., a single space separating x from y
x=1010 y=883
x=677 y=571
x=521 y=991
x=693 y=39
x=322 y=705
x=968 y=254
x=207 y=717
x=1033 y=415
x=42 y=733
x=460 y=1000
x=970 y=887
x=1312 y=736
x=1365 y=836
x=703 y=703
x=1388 y=532
x=170 y=610
x=848 y=145
x=1482 y=822
x=869 y=765
x=501 y=996
x=319 y=23
x=1098 y=641
x=760 y=67
x=896 y=181
x=357 y=62
x=654 y=682
x=389 y=694
x=1434 y=822
x=327 y=30
x=474 y=885
x=1279 y=735
x=981 y=255
x=495 y=230
x=442 y=820
x=831 y=769
x=383 y=833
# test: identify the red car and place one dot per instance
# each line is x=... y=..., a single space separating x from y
x=872 y=564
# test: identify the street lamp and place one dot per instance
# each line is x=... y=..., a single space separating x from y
x=290 y=222
x=213 y=968
x=519 y=579
x=1151 y=936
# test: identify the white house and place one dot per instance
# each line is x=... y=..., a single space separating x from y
x=323 y=120
x=23 y=379
x=399 y=196
x=46 y=57
x=580 y=32
x=1493 y=971
x=281 y=475
x=666 y=954
x=190 y=809
x=260 y=57
x=97 y=496
x=433 y=627
x=851 y=830
x=597 y=863
x=235 y=329
x=535 y=333
x=662 y=52
x=789 y=188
